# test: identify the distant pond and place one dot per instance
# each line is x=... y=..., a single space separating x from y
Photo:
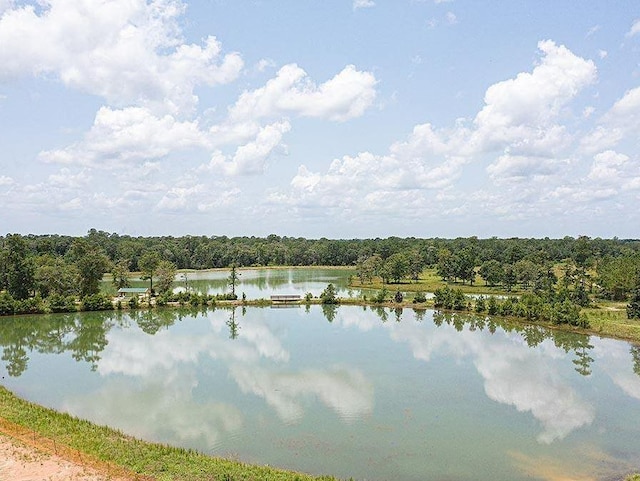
x=375 y=394
x=261 y=283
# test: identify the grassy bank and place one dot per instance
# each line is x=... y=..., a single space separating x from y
x=128 y=456
x=606 y=318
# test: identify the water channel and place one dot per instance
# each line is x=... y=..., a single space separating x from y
x=374 y=394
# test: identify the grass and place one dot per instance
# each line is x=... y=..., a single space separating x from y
x=429 y=281
x=609 y=319
x=141 y=460
x=606 y=318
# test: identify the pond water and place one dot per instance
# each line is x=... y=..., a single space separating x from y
x=261 y=283
x=376 y=394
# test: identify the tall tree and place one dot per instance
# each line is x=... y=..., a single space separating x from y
x=120 y=274
x=148 y=264
x=233 y=280
x=18 y=267
x=91 y=262
x=54 y=276
x=166 y=272
x=491 y=271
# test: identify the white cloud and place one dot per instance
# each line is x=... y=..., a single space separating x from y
x=250 y=158
x=518 y=167
x=451 y=18
x=65 y=179
x=519 y=121
x=635 y=29
x=131 y=134
x=363 y=4
x=593 y=30
x=345 y=96
x=126 y=51
x=177 y=198
x=525 y=107
x=622 y=121
x=6 y=180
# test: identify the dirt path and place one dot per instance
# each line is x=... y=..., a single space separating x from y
x=25 y=457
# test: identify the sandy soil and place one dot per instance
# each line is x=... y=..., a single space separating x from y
x=19 y=462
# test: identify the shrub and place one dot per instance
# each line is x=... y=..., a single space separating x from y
x=381 y=296
x=133 y=302
x=480 y=304
x=419 y=298
x=328 y=296
x=58 y=303
x=96 y=302
x=6 y=304
x=32 y=305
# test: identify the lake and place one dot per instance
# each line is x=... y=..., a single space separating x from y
x=374 y=394
x=262 y=282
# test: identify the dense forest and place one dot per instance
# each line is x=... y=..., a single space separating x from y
x=65 y=269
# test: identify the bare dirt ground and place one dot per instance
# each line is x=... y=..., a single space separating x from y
x=26 y=457
x=19 y=462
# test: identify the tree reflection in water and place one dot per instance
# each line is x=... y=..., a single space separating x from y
x=85 y=334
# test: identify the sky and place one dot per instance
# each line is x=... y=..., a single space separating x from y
x=320 y=118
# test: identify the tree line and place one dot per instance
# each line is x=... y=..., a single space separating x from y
x=65 y=270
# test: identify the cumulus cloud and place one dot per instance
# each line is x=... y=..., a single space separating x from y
x=519 y=121
x=522 y=111
x=620 y=122
x=130 y=134
x=128 y=52
x=345 y=96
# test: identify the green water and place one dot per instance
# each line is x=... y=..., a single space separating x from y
x=374 y=394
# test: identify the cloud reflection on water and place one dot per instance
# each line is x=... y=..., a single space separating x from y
x=513 y=373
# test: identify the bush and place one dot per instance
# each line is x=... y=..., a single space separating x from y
x=480 y=304
x=32 y=305
x=6 y=304
x=398 y=297
x=58 y=303
x=419 y=298
x=381 y=296
x=133 y=302
x=96 y=302
x=328 y=296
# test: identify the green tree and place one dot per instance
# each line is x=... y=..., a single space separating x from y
x=329 y=295
x=91 y=262
x=233 y=280
x=120 y=274
x=491 y=271
x=633 y=308
x=446 y=265
x=396 y=267
x=465 y=266
x=166 y=273
x=617 y=275
x=18 y=268
x=55 y=277
x=148 y=264
x=509 y=277
x=526 y=273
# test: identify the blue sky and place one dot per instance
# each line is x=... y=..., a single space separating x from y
x=334 y=118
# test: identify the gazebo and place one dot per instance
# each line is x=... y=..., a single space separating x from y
x=133 y=291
